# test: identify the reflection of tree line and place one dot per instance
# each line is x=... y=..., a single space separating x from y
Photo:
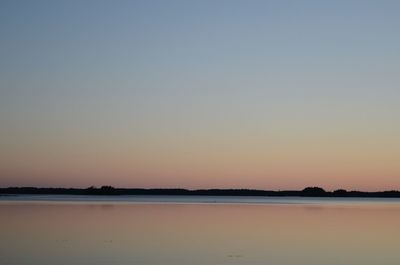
x=109 y=190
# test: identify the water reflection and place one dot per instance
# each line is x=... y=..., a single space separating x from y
x=78 y=233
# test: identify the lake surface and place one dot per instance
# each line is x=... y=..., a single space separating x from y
x=169 y=230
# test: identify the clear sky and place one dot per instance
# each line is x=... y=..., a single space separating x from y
x=200 y=94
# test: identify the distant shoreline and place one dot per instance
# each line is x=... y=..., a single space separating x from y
x=111 y=191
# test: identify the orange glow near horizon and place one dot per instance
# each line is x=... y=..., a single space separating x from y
x=231 y=163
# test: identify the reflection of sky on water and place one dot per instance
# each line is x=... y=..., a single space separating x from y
x=117 y=233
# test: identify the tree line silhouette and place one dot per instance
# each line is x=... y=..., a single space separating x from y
x=109 y=190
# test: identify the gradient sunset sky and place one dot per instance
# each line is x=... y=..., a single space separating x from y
x=200 y=94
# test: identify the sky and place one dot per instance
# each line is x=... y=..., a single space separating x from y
x=200 y=94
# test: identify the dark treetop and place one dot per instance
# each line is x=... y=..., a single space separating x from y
x=109 y=190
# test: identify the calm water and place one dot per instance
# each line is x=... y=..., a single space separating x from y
x=198 y=230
